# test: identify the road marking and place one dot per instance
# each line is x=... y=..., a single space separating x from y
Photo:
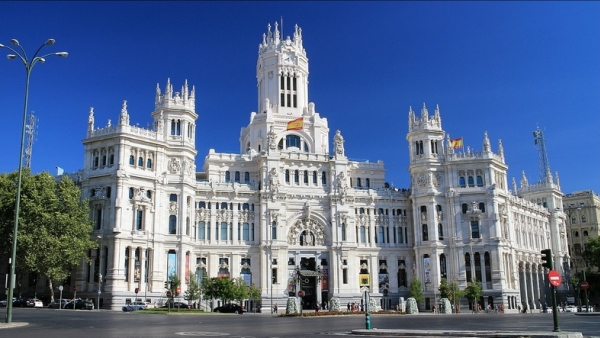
x=202 y=334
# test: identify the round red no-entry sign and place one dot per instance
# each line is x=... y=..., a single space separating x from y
x=554 y=278
x=584 y=285
x=301 y=293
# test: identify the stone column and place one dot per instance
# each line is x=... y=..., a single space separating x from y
x=523 y=283
x=483 y=271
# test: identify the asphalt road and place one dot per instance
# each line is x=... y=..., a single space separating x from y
x=101 y=324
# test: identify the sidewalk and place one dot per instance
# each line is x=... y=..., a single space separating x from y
x=11 y=325
x=452 y=333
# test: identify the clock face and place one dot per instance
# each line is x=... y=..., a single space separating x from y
x=288 y=59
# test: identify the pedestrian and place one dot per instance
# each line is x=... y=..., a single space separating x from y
x=316 y=308
x=348 y=307
x=433 y=309
x=275 y=308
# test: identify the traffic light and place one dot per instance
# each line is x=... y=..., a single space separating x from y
x=547 y=259
x=166 y=285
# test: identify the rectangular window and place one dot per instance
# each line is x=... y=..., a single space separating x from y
x=474 y=229
x=201 y=230
x=363 y=235
x=139 y=219
x=252 y=232
x=98 y=219
x=344 y=276
x=294 y=83
x=295 y=101
x=274 y=230
x=246 y=232
x=281 y=82
x=343 y=232
x=282 y=99
x=223 y=235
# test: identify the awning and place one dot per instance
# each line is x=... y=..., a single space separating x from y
x=310 y=273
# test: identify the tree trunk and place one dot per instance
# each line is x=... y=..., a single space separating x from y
x=51 y=289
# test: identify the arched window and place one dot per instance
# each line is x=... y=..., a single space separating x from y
x=468 y=268
x=139 y=219
x=576 y=233
x=443 y=272
x=172 y=225
x=178 y=131
x=479 y=181
x=425 y=233
x=585 y=233
x=471 y=181
x=314 y=177
x=173 y=198
x=172 y=127
x=358 y=182
x=361 y=211
x=237 y=177
x=305 y=177
x=227 y=176
x=324 y=178
x=296 y=177
x=465 y=207
x=111 y=160
x=224 y=205
x=367 y=183
x=440 y=231
x=461 y=182
x=149 y=164
x=245 y=231
x=380 y=211
x=130 y=193
x=131 y=160
x=287 y=176
x=482 y=207
x=140 y=162
x=246 y=177
x=292 y=141
x=343 y=232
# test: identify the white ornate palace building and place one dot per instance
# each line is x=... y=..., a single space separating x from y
x=290 y=200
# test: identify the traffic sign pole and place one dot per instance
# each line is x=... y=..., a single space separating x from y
x=554 y=279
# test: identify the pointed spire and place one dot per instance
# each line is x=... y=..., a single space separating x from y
x=548 y=176
x=158 y=95
x=168 y=90
x=524 y=182
x=486 y=142
x=424 y=113
x=91 y=119
x=557 y=180
x=514 y=186
x=437 y=112
x=500 y=149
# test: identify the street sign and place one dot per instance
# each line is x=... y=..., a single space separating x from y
x=178 y=290
x=301 y=293
x=584 y=285
x=169 y=294
x=60 y=288
x=99 y=292
x=554 y=278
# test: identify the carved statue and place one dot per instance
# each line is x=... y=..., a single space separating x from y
x=272 y=138
x=338 y=142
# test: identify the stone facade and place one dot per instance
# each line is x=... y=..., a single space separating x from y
x=289 y=203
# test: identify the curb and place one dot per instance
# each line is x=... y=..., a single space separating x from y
x=12 y=325
x=446 y=333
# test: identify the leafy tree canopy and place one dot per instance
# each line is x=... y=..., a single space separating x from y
x=592 y=252
x=415 y=290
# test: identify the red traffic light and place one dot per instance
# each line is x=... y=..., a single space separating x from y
x=169 y=294
x=178 y=290
x=137 y=290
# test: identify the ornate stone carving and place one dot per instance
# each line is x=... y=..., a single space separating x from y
x=272 y=138
x=306 y=233
x=174 y=165
x=338 y=142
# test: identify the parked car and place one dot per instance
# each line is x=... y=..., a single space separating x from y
x=150 y=305
x=19 y=302
x=80 y=304
x=33 y=302
x=229 y=308
x=58 y=304
x=177 y=305
x=134 y=306
x=3 y=303
x=571 y=308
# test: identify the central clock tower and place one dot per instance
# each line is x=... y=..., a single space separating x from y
x=282 y=73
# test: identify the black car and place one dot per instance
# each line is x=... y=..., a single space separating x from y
x=80 y=304
x=177 y=305
x=19 y=302
x=229 y=308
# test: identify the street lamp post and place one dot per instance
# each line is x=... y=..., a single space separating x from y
x=28 y=63
x=101 y=238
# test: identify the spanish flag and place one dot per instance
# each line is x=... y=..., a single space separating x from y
x=296 y=124
x=457 y=143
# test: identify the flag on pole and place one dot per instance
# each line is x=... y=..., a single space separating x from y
x=59 y=171
x=296 y=124
x=457 y=143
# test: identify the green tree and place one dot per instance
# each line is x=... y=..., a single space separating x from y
x=450 y=291
x=174 y=283
x=54 y=231
x=592 y=252
x=193 y=291
x=473 y=292
x=415 y=290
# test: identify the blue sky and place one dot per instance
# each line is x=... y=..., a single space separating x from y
x=501 y=67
